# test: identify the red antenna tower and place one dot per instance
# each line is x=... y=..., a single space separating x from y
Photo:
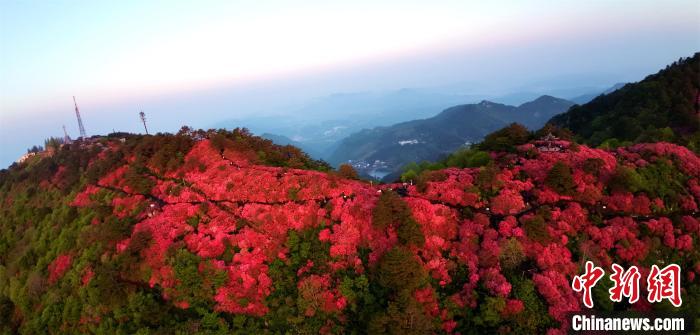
x=80 y=120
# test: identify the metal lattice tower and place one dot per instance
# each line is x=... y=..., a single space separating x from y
x=143 y=119
x=66 y=138
x=80 y=120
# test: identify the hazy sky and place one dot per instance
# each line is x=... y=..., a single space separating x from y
x=196 y=62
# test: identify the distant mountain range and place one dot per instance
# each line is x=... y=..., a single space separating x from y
x=429 y=139
x=319 y=125
x=284 y=140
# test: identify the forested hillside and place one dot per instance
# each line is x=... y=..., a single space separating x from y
x=223 y=232
x=662 y=107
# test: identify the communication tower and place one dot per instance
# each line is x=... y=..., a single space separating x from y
x=80 y=120
x=143 y=119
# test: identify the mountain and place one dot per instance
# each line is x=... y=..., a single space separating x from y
x=535 y=113
x=319 y=124
x=284 y=140
x=216 y=232
x=662 y=107
x=389 y=148
x=279 y=139
x=585 y=98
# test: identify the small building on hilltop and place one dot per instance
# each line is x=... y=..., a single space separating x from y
x=551 y=143
x=25 y=157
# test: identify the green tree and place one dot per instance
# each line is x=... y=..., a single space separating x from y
x=625 y=179
x=506 y=139
x=392 y=211
x=560 y=179
x=400 y=273
x=347 y=171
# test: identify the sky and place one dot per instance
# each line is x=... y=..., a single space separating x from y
x=199 y=62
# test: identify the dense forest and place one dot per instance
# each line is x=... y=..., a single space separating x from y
x=662 y=107
x=223 y=232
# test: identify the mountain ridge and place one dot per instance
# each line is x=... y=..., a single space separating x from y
x=443 y=133
x=661 y=107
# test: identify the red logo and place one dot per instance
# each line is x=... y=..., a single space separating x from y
x=665 y=284
x=625 y=284
x=661 y=284
x=586 y=282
